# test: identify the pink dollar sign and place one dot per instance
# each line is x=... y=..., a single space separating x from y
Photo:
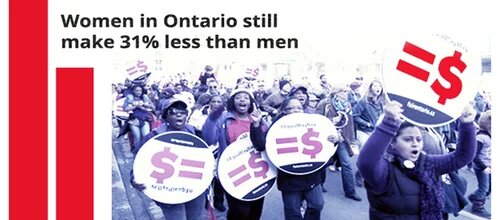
x=254 y=164
x=141 y=66
x=455 y=83
x=306 y=139
x=157 y=161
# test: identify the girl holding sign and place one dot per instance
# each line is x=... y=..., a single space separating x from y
x=224 y=128
x=406 y=183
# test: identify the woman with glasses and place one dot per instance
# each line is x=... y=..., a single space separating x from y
x=175 y=114
x=224 y=127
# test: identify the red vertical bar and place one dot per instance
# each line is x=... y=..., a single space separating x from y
x=28 y=110
x=74 y=143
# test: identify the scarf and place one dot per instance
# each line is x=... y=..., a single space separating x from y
x=431 y=191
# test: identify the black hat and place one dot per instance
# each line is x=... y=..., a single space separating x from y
x=174 y=102
x=295 y=88
x=283 y=83
x=208 y=68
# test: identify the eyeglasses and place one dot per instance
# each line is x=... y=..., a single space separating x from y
x=174 y=111
x=293 y=108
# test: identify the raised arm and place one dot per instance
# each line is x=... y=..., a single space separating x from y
x=466 y=145
x=371 y=163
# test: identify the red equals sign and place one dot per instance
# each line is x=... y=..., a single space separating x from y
x=285 y=150
x=411 y=69
x=190 y=174
x=237 y=171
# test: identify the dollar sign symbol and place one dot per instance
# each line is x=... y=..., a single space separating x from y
x=254 y=164
x=455 y=83
x=157 y=161
x=143 y=67
x=256 y=72
x=306 y=139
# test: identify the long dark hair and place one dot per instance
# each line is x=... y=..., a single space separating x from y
x=380 y=99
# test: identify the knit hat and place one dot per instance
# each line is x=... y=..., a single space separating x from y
x=236 y=91
x=283 y=83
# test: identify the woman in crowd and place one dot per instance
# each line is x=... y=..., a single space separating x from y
x=300 y=92
x=406 y=183
x=141 y=117
x=197 y=119
x=337 y=108
x=224 y=127
x=295 y=188
x=199 y=116
x=175 y=114
x=366 y=114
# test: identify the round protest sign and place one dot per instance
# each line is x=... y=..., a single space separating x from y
x=175 y=167
x=118 y=109
x=432 y=75
x=298 y=143
x=244 y=172
x=137 y=70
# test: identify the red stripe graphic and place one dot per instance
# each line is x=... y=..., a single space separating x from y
x=28 y=109
x=74 y=143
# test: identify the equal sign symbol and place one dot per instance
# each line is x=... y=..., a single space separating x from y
x=191 y=174
x=131 y=70
x=285 y=150
x=411 y=69
x=237 y=171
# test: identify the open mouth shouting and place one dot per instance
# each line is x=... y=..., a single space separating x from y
x=242 y=107
x=414 y=154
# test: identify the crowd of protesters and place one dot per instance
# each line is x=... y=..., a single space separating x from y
x=370 y=133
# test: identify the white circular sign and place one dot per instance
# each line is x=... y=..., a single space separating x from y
x=244 y=172
x=175 y=167
x=432 y=75
x=298 y=143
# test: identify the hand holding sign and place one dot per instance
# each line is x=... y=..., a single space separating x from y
x=443 y=73
x=393 y=110
x=468 y=114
